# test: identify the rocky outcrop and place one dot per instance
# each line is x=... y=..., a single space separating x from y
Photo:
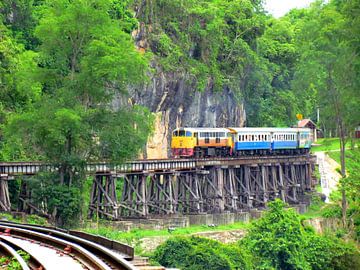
x=174 y=99
x=324 y=225
x=176 y=103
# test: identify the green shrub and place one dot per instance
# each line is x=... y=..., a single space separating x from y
x=196 y=253
x=202 y=258
x=173 y=252
x=331 y=211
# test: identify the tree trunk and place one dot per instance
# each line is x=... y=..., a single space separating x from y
x=343 y=171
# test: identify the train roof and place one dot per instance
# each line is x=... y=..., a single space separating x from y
x=243 y=129
x=268 y=129
x=203 y=129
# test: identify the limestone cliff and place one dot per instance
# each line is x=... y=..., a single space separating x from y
x=177 y=104
x=173 y=98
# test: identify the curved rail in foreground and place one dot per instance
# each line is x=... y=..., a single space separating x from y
x=9 y=251
x=91 y=255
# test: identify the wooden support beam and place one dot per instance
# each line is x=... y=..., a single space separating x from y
x=281 y=184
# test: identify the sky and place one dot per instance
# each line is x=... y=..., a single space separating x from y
x=278 y=8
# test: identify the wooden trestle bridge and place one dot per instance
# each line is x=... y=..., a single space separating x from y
x=148 y=188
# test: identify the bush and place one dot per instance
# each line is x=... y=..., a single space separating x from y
x=196 y=253
x=173 y=252
x=278 y=240
x=332 y=211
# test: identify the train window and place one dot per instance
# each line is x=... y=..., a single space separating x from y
x=188 y=134
x=181 y=133
x=175 y=133
x=195 y=134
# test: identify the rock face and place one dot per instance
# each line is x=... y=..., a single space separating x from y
x=176 y=103
x=174 y=100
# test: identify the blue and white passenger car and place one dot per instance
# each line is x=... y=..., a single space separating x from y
x=266 y=141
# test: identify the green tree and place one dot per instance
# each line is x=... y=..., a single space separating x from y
x=278 y=240
x=84 y=61
x=328 y=64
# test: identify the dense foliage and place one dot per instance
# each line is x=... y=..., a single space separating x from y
x=63 y=63
x=198 y=253
x=278 y=240
x=277 y=67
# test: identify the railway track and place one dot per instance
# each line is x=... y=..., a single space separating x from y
x=31 y=168
x=51 y=248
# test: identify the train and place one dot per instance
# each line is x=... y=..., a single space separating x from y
x=230 y=142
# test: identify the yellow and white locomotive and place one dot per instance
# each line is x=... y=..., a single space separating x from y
x=201 y=142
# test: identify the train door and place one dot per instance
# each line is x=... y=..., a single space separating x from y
x=272 y=140
x=196 y=138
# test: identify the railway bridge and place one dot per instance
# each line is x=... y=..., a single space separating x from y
x=147 y=188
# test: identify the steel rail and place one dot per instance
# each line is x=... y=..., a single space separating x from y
x=150 y=165
x=113 y=259
x=8 y=250
x=85 y=257
x=125 y=250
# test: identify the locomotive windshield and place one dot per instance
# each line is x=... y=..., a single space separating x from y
x=182 y=133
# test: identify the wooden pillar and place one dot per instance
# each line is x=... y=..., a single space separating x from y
x=196 y=191
x=248 y=187
x=308 y=176
x=5 y=204
x=232 y=188
x=174 y=179
x=264 y=181
x=294 y=182
x=220 y=185
x=143 y=192
x=281 y=184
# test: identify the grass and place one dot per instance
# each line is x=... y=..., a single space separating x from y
x=134 y=236
x=352 y=159
x=30 y=219
x=316 y=207
x=330 y=144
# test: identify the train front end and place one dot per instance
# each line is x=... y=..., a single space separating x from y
x=183 y=143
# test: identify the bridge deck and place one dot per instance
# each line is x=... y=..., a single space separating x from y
x=152 y=165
